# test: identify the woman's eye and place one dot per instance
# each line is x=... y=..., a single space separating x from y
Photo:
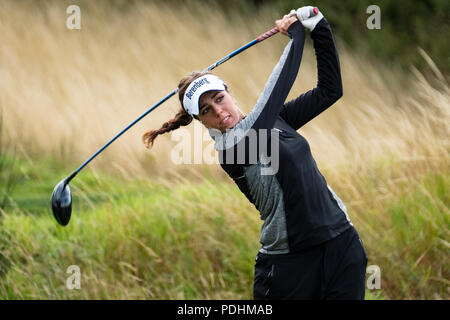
x=205 y=110
x=219 y=99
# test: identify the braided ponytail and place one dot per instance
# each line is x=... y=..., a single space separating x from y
x=182 y=118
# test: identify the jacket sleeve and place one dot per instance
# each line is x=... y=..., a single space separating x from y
x=307 y=106
x=280 y=82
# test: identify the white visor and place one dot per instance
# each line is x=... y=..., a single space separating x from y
x=198 y=87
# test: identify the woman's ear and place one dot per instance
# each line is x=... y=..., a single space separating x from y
x=236 y=104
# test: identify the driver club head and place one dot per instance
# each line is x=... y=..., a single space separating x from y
x=62 y=202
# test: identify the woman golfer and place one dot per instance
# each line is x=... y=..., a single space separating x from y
x=310 y=249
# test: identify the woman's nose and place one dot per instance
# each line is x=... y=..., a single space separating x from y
x=218 y=110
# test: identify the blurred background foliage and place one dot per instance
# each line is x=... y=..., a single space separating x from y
x=405 y=25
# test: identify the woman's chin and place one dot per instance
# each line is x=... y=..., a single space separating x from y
x=229 y=127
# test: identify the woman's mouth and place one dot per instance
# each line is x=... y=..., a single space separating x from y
x=225 y=121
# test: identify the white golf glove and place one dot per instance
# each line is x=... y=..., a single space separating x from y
x=304 y=15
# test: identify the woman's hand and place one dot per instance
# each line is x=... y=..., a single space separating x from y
x=284 y=23
x=308 y=17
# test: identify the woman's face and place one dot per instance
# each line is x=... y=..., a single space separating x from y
x=218 y=110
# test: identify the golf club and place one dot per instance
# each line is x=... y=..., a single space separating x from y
x=61 y=196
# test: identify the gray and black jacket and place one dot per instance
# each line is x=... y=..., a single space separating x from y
x=298 y=207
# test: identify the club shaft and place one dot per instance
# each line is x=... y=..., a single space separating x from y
x=260 y=38
x=71 y=176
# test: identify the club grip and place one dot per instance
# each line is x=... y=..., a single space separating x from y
x=312 y=12
x=267 y=34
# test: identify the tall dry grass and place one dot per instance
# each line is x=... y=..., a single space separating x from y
x=67 y=92
x=384 y=147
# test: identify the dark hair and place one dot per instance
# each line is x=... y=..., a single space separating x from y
x=182 y=118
